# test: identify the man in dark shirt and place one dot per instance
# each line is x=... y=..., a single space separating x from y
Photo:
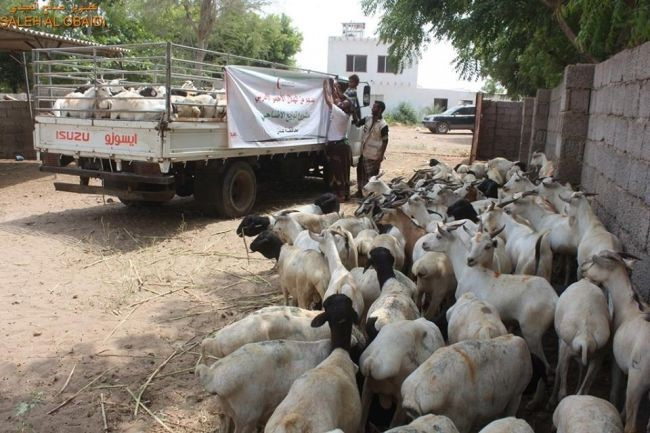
x=351 y=94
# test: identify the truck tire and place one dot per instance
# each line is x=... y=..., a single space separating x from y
x=230 y=193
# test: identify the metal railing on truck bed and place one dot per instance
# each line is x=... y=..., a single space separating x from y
x=166 y=78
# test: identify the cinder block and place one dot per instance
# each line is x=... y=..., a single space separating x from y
x=599 y=76
x=618 y=100
x=635 y=130
x=579 y=76
x=641 y=65
x=632 y=95
x=587 y=176
x=644 y=100
x=617 y=65
x=620 y=133
x=574 y=125
x=623 y=166
x=638 y=178
x=578 y=100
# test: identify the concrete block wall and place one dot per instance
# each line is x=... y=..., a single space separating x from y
x=539 y=122
x=500 y=129
x=526 y=128
x=16 y=129
x=616 y=160
x=553 y=122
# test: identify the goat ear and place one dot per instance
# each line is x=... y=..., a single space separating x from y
x=628 y=259
x=319 y=320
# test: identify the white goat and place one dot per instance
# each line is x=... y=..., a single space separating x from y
x=363 y=241
x=472 y=319
x=592 y=235
x=586 y=414
x=582 y=322
x=304 y=274
x=546 y=167
x=435 y=281
x=471 y=382
x=393 y=245
x=399 y=348
x=269 y=323
x=427 y=424
x=396 y=299
x=130 y=105
x=251 y=382
x=341 y=281
x=322 y=399
x=631 y=326
x=530 y=251
x=527 y=299
x=507 y=425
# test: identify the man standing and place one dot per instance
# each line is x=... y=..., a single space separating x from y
x=339 y=154
x=373 y=145
x=351 y=94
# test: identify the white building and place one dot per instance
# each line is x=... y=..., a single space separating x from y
x=352 y=53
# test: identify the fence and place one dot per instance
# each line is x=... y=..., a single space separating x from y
x=16 y=129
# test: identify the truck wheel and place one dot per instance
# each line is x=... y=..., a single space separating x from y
x=230 y=193
x=442 y=128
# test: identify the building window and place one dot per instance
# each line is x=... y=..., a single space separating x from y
x=383 y=65
x=356 y=63
x=466 y=102
x=440 y=104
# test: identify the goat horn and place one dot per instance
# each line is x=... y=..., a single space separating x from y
x=381 y=173
x=568 y=200
x=507 y=202
x=496 y=233
x=590 y=194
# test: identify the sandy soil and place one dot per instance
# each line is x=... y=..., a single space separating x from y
x=113 y=293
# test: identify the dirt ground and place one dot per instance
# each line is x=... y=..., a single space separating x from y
x=96 y=297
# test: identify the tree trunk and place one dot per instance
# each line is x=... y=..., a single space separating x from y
x=556 y=7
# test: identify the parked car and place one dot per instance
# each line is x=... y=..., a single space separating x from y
x=454 y=118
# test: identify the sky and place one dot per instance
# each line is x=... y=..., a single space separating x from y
x=318 y=20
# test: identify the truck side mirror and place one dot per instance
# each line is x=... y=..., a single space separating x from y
x=366 y=95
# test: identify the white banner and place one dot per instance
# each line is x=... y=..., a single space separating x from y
x=270 y=107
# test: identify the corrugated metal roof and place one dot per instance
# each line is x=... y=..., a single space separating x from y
x=17 y=39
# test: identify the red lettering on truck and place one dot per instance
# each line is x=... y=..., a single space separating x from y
x=73 y=135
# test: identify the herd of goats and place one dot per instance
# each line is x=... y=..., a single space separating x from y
x=111 y=100
x=420 y=290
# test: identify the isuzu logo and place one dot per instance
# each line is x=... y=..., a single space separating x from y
x=73 y=135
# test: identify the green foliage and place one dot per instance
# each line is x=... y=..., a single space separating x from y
x=493 y=87
x=523 y=44
x=404 y=113
x=238 y=29
x=432 y=109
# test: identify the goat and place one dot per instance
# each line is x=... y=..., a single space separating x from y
x=586 y=414
x=252 y=381
x=341 y=281
x=592 y=235
x=398 y=349
x=507 y=425
x=471 y=382
x=303 y=273
x=582 y=326
x=527 y=299
x=489 y=188
x=427 y=424
x=529 y=250
x=130 y=105
x=435 y=282
x=488 y=251
x=631 y=326
x=363 y=242
x=269 y=323
x=406 y=226
x=472 y=319
x=325 y=397
x=546 y=167
x=396 y=299
x=462 y=209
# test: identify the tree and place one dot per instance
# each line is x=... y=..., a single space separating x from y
x=524 y=44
